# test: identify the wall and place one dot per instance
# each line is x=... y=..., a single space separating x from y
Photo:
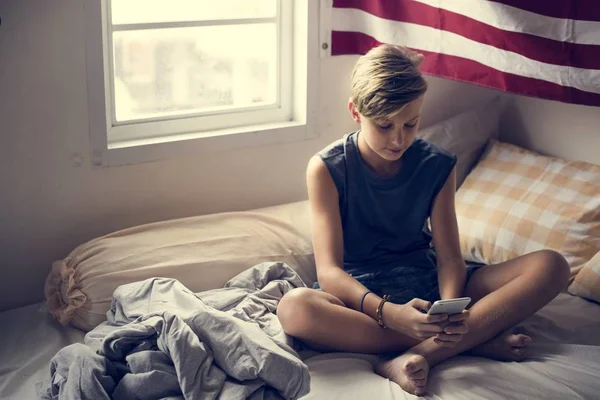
x=557 y=129
x=52 y=200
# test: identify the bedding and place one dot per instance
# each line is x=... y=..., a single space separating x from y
x=565 y=362
x=516 y=201
x=30 y=338
x=161 y=340
x=587 y=281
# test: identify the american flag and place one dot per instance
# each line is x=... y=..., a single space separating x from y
x=542 y=48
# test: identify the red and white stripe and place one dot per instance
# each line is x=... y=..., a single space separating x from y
x=542 y=48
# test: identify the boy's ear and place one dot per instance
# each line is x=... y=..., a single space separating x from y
x=353 y=111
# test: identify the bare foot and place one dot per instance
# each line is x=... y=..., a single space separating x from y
x=408 y=370
x=505 y=347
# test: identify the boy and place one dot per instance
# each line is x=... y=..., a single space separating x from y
x=378 y=264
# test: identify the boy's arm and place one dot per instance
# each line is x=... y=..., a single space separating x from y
x=328 y=240
x=451 y=266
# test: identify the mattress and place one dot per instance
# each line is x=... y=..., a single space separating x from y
x=565 y=362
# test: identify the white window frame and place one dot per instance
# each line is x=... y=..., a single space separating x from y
x=153 y=140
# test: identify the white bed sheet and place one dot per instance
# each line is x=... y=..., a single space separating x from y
x=30 y=338
x=566 y=362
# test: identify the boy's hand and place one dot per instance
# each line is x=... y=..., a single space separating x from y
x=411 y=319
x=454 y=330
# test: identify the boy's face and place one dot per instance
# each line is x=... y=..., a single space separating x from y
x=389 y=138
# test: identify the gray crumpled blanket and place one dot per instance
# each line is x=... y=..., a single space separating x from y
x=161 y=341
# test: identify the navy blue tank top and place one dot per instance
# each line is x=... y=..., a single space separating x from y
x=384 y=220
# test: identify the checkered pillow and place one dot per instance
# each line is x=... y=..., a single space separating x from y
x=587 y=281
x=516 y=201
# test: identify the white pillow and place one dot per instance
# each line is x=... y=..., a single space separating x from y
x=201 y=252
x=466 y=135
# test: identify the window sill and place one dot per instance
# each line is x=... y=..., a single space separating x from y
x=154 y=149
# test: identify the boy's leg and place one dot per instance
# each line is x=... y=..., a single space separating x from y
x=503 y=295
x=322 y=321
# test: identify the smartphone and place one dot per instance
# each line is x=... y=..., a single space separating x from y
x=449 y=306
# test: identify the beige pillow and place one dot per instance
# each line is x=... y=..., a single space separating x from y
x=516 y=201
x=202 y=252
x=466 y=135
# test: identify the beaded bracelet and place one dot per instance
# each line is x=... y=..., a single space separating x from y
x=379 y=313
x=362 y=301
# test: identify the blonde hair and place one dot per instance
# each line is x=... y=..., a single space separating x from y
x=386 y=79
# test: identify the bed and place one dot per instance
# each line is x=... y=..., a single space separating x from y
x=565 y=362
x=204 y=253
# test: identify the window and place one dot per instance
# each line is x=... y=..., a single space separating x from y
x=165 y=71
